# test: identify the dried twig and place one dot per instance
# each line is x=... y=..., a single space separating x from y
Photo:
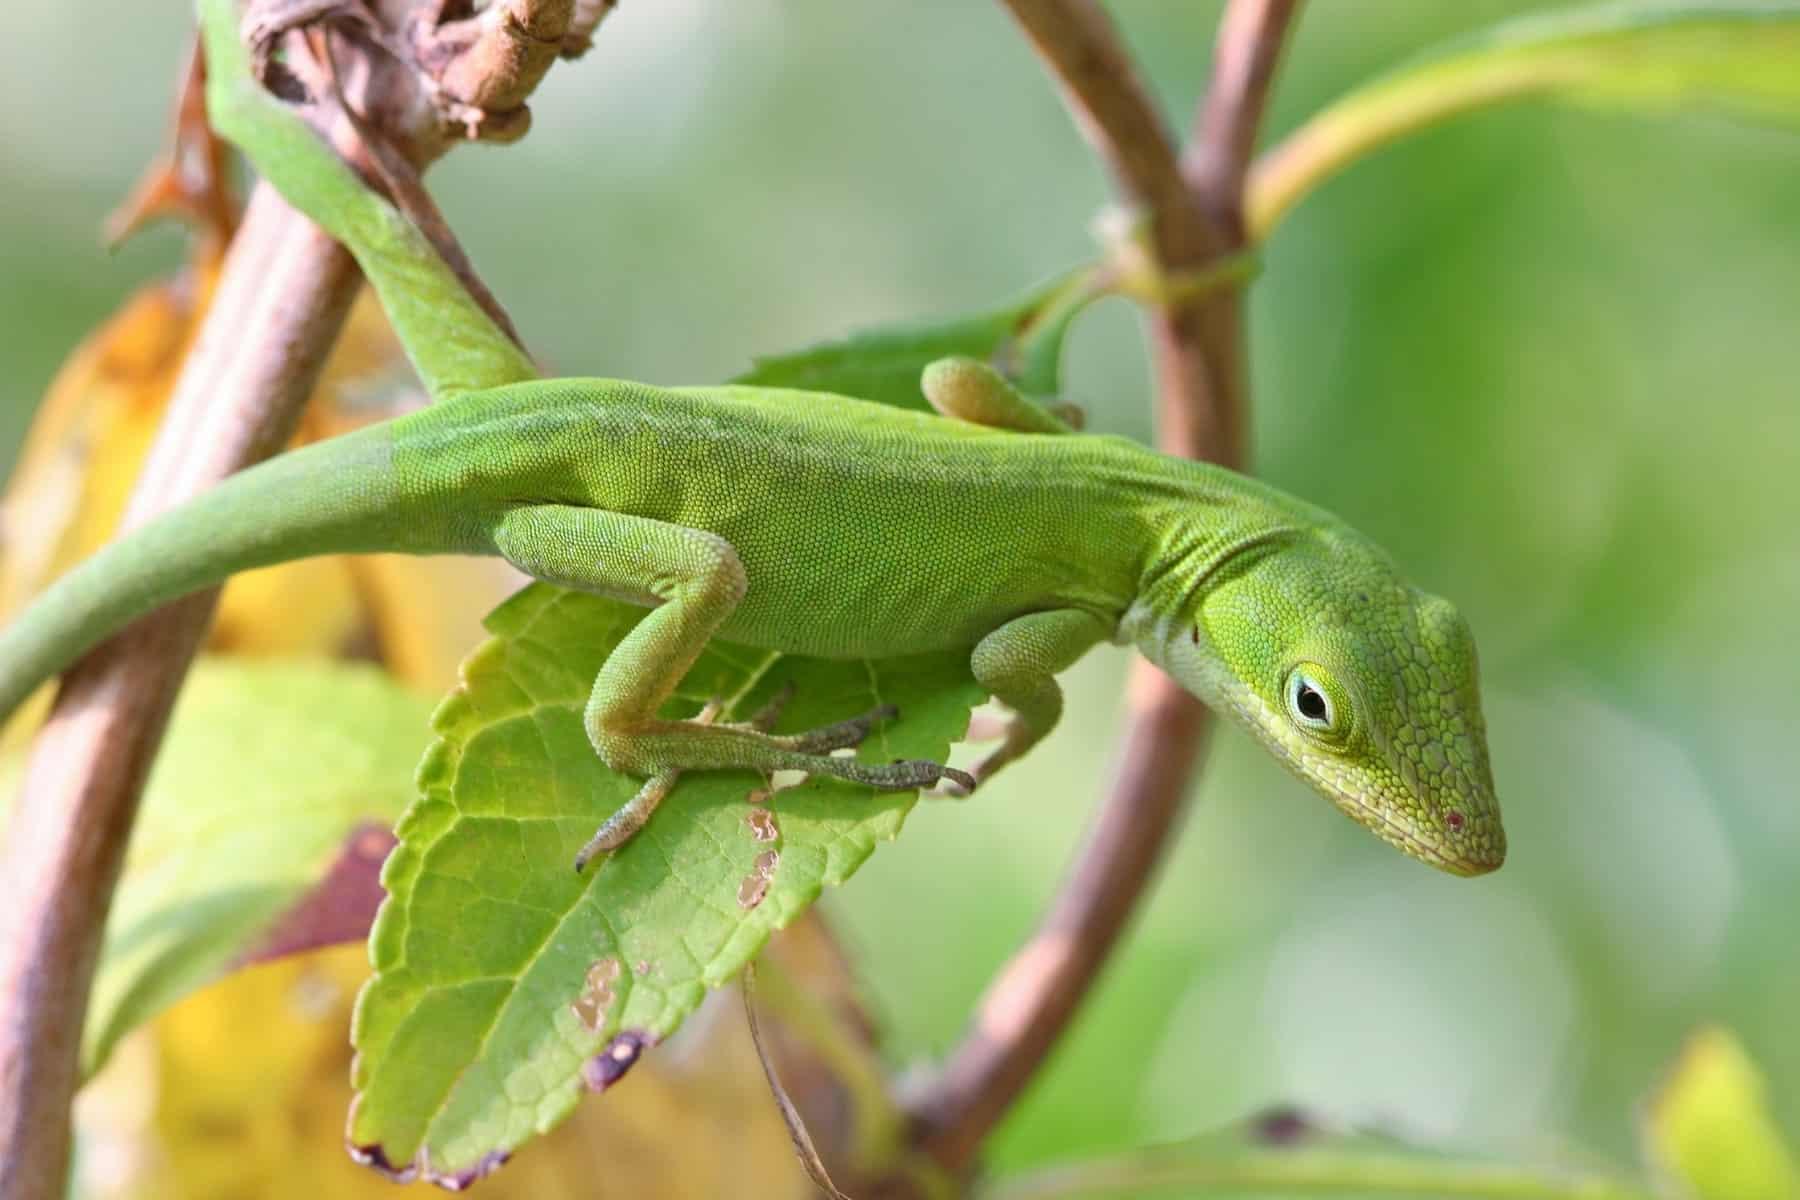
x=395 y=173
x=580 y=36
x=804 y=1148
x=1201 y=397
x=282 y=296
x=486 y=65
x=191 y=179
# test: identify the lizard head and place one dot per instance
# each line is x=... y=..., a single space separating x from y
x=1363 y=686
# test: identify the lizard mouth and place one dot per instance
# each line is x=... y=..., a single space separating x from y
x=1475 y=860
x=1478 y=857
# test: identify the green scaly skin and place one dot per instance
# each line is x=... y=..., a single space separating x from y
x=829 y=526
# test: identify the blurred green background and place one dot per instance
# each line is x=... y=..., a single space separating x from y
x=1547 y=357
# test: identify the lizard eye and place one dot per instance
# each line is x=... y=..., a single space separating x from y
x=1309 y=702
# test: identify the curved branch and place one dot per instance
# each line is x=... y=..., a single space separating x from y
x=1110 y=104
x=1201 y=390
x=281 y=300
x=1031 y=1000
x=282 y=296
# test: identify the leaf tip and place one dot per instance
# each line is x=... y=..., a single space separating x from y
x=340 y=907
x=375 y=1158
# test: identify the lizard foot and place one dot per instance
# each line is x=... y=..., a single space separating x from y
x=821 y=740
x=635 y=813
x=838 y=735
x=619 y=828
x=808 y=751
x=896 y=776
x=1014 y=742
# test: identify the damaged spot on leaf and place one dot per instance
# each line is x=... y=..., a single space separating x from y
x=597 y=994
x=762 y=825
x=756 y=883
x=621 y=1054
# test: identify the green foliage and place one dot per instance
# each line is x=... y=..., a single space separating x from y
x=1736 y=58
x=503 y=977
x=234 y=829
x=1023 y=339
x=1440 y=344
x=1707 y=1133
x=1286 y=1154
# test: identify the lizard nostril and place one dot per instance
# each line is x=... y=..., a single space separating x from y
x=1453 y=819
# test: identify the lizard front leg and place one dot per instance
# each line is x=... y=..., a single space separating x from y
x=692 y=581
x=970 y=390
x=1018 y=664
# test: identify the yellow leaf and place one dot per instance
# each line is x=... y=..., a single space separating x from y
x=1708 y=1127
x=249 y=1082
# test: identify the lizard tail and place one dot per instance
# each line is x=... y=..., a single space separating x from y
x=332 y=497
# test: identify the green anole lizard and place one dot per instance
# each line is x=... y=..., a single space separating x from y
x=824 y=525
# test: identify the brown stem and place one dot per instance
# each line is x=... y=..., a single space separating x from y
x=1031 y=1000
x=1201 y=387
x=486 y=65
x=1251 y=36
x=368 y=148
x=1101 y=87
x=282 y=297
x=580 y=36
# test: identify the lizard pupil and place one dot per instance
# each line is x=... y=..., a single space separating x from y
x=1453 y=819
x=1310 y=703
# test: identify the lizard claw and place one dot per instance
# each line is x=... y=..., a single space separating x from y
x=957 y=785
x=925 y=773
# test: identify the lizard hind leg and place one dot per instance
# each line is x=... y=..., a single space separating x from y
x=636 y=812
x=692 y=580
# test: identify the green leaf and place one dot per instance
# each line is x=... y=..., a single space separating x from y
x=1289 y=1155
x=267 y=770
x=1709 y=1128
x=1024 y=340
x=1733 y=58
x=503 y=979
